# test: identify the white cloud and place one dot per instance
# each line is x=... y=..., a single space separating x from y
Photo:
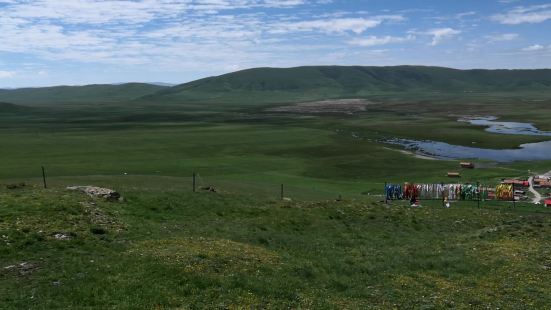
x=533 y=48
x=525 y=15
x=6 y=74
x=439 y=34
x=502 y=37
x=48 y=31
x=129 y=12
x=375 y=41
x=465 y=14
x=139 y=33
x=335 y=25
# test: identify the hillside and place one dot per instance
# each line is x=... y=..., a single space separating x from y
x=304 y=83
x=9 y=108
x=178 y=250
x=78 y=94
x=273 y=85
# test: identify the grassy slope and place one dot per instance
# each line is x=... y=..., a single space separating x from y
x=271 y=85
x=78 y=94
x=12 y=108
x=174 y=249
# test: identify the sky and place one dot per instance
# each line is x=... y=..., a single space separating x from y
x=76 y=42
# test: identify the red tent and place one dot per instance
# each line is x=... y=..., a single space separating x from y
x=548 y=203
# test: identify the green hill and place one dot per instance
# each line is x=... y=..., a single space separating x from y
x=321 y=82
x=9 y=108
x=78 y=94
x=273 y=85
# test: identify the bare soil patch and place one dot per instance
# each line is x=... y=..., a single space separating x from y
x=346 y=106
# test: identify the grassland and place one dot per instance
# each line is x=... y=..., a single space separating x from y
x=164 y=247
x=169 y=249
x=253 y=150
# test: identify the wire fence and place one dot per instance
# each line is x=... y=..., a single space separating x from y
x=270 y=187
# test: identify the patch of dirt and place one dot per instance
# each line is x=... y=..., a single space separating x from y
x=420 y=156
x=338 y=106
x=208 y=255
x=16 y=185
x=63 y=236
x=21 y=269
x=100 y=217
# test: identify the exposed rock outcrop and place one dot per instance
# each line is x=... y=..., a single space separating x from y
x=98 y=192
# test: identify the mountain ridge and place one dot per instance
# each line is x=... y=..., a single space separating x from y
x=268 y=84
x=101 y=93
x=318 y=82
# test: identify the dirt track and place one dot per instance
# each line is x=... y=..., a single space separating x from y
x=537 y=196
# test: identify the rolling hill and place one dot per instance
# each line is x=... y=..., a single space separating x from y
x=304 y=83
x=274 y=85
x=11 y=108
x=78 y=94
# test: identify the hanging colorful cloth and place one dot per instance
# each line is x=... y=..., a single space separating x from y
x=393 y=192
x=439 y=191
x=423 y=190
x=410 y=191
x=454 y=191
x=469 y=192
x=485 y=192
x=504 y=192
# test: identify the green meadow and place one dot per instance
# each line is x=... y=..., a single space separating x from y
x=334 y=244
x=170 y=249
x=255 y=150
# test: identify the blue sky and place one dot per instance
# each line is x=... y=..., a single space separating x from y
x=75 y=42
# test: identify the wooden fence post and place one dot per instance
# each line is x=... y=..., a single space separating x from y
x=478 y=193
x=44 y=177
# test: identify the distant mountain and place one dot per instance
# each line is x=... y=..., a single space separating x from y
x=318 y=82
x=274 y=85
x=78 y=94
x=162 y=84
x=150 y=83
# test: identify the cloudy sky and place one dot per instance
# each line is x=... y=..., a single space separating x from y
x=72 y=42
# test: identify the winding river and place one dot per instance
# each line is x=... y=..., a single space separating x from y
x=507 y=128
x=525 y=152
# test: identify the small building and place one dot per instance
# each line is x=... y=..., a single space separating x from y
x=454 y=174
x=548 y=203
x=546 y=184
x=467 y=165
x=517 y=183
